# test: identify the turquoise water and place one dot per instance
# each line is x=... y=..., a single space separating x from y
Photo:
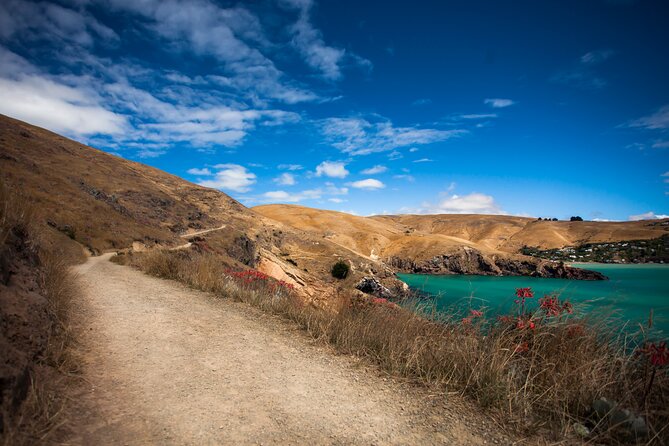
x=630 y=294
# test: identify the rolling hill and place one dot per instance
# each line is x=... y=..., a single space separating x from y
x=107 y=203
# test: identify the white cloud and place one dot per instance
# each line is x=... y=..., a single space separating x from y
x=231 y=177
x=423 y=160
x=408 y=178
x=201 y=172
x=414 y=149
x=498 y=102
x=368 y=184
x=474 y=203
x=285 y=179
x=336 y=200
x=657 y=121
x=281 y=196
x=332 y=169
x=358 y=136
x=57 y=106
x=374 y=170
x=647 y=216
x=661 y=145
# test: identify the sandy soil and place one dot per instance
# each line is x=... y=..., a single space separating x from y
x=167 y=365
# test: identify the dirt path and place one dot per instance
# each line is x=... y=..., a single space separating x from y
x=204 y=231
x=168 y=365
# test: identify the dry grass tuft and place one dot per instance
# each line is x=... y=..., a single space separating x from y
x=45 y=258
x=544 y=378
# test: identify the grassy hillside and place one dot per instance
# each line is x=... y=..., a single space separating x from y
x=105 y=203
x=422 y=236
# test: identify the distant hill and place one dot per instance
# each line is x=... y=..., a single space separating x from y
x=423 y=239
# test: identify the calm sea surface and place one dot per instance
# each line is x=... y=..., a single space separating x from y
x=630 y=294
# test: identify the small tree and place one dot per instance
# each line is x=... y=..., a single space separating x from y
x=340 y=269
x=577 y=218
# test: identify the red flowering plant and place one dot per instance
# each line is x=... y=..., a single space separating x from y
x=467 y=322
x=552 y=307
x=254 y=279
x=657 y=355
x=522 y=294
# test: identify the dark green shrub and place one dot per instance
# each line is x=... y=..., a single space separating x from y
x=340 y=269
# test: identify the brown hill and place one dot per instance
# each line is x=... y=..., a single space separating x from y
x=487 y=244
x=108 y=203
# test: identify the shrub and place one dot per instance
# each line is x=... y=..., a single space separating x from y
x=340 y=270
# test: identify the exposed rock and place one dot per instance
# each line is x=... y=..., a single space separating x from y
x=471 y=261
x=111 y=200
x=371 y=285
x=244 y=250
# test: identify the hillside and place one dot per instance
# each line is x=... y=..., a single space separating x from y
x=107 y=203
x=490 y=241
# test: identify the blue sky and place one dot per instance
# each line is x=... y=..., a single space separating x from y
x=551 y=108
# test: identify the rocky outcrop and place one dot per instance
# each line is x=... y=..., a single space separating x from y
x=371 y=285
x=471 y=261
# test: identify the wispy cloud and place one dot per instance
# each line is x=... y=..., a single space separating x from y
x=423 y=101
x=328 y=60
x=374 y=170
x=285 y=179
x=291 y=167
x=423 y=160
x=596 y=57
x=497 y=103
x=281 y=196
x=477 y=116
x=358 y=136
x=650 y=215
x=201 y=172
x=473 y=203
x=657 y=121
x=583 y=74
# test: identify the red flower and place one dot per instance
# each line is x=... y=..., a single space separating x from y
x=466 y=321
x=522 y=348
x=476 y=313
x=522 y=324
x=659 y=354
x=524 y=293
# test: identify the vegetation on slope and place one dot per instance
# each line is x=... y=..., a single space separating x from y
x=542 y=368
x=630 y=251
x=36 y=288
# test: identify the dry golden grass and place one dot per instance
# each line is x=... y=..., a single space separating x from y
x=569 y=362
x=48 y=261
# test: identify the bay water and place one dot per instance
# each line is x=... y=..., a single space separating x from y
x=629 y=295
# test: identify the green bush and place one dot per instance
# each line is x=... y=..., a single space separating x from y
x=340 y=269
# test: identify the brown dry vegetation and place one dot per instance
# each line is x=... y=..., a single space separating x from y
x=36 y=289
x=570 y=362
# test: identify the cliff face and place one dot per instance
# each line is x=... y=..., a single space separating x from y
x=471 y=261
